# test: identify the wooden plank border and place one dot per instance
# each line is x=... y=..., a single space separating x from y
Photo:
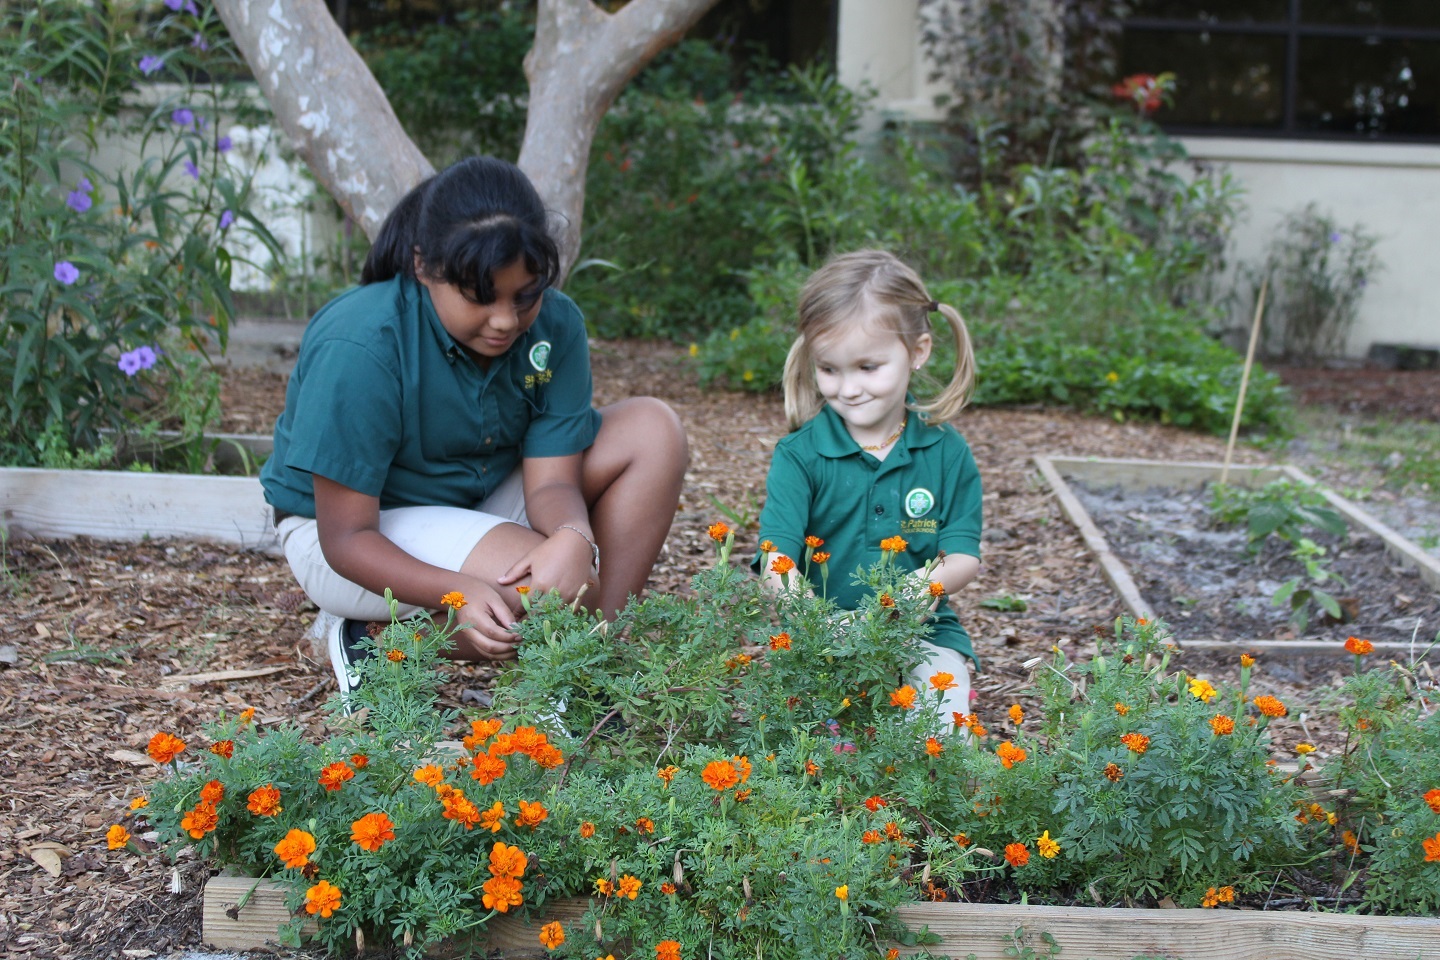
x=985 y=930
x=1144 y=474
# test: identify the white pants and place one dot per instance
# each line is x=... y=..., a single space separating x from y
x=944 y=660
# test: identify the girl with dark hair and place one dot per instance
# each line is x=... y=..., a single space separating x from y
x=438 y=434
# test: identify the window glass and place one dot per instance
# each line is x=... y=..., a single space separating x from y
x=1214 y=11
x=1221 y=80
x=1369 y=87
x=1412 y=14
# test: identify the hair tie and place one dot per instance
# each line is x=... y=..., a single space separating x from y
x=933 y=306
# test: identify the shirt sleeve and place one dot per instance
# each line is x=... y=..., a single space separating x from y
x=348 y=424
x=788 y=498
x=960 y=533
x=569 y=422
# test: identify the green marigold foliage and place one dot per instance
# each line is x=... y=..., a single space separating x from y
x=739 y=772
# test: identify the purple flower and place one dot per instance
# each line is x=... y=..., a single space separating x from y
x=175 y=5
x=224 y=144
x=200 y=43
x=191 y=169
x=133 y=361
x=226 y=219
x=191 y=9
x=79 y=198
x=150 y=63
x=1335 y=236
x=66 y=273
x=182 y=117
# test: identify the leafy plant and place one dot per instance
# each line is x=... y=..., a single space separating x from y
x=1006 y=602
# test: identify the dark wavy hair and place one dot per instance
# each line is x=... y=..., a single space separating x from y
x=465 y=222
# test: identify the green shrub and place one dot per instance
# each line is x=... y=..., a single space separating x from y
x=105 y=275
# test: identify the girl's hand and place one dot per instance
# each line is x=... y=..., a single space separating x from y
x=561 y=563
x=485 y=622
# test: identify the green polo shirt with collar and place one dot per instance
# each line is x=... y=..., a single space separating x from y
x=385 y=402
x=927 y=490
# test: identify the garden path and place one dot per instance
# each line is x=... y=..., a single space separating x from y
x=114 y=640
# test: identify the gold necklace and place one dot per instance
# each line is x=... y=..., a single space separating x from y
x=893 y=437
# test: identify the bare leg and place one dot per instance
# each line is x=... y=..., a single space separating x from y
x=632 y=477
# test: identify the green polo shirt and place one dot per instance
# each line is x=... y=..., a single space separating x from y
x=385 y=402
x=927 y=490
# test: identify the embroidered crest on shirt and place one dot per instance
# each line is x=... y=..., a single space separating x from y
x=539 y=357
x=919 y=502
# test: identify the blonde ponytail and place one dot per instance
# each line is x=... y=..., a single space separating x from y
x=956 y=394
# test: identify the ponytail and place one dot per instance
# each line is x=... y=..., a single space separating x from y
x=955 y=395
x=392 y=254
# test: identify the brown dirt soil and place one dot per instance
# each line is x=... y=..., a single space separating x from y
x=1412 y=394
x=113 y=639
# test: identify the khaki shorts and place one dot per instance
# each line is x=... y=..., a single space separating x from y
x=441 y=536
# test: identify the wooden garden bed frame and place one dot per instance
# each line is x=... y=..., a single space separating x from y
x=243 y=914
x=1144 y=474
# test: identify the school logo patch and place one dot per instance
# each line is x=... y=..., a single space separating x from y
x=919 y=502
x=540 y=355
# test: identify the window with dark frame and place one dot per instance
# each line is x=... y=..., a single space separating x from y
x=1321 y=69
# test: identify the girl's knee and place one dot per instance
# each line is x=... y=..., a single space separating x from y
x=651 y=426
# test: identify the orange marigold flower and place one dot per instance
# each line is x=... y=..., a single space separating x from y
x=1017 y=854
x=372 y=831
x=1121 y=709
x=454 y=600
x=142 y=801
x=962 y=839
x=494 y=818
x=767 y=546
x=892 y=954
x=742 y=795
x=737 y=661
x=1215 y=896
x=1350 y=842
x=488 y=767
x=1246 y=660
x=587 y=829
x=552 y=935
x=1431 y=846
x=507 y=861
x=323 y=898
x=629 y=886
x=295 y=848
x=200 y=820
x=523 y=590
x=359 y=760
x=430 y=775
x=667 y=950
x=813 y=542
x=1017 y=713
x=904 y=698
x=212 y=793
x=395 y=656
x=482 y=730
x=247 y=715
x=1113 y=773
x=871 y=836
x=720 y=775
x=875 y=803
x=976 y=728
x=1009 y=754
x=811 y=768
x=644 y=825
x=667 y=888
x=459 y=808
x=780 y=641
x=1270 y=706
x=1137 y=742
x=1359 y=647
x=937 y=589
x=117 y=837
x=334 y=775
x=893 y=831
x=264 y=801
x=164 y=747
x=893 y=545
x=886 y=600
x=502 y=893
x=1432 y=799
x=1222 y=725
x=718 y=532
x=821 y=557
x=782 y=565
x=667 y=774
x=604 y=887
x=223 y=748
x=943 y=681
x=548 y=756
x=961 y=719
x=934 y=747
x=742 y=767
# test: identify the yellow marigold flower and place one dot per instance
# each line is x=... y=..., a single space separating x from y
x=493 y=818
x=1137 y=742
x=937 y=589
x=1222 y=725
x=767 y=546
x=223 y=748
x=1113 y=773
x=334 y=775
x=587 y=829
x=323 y=898
x=813 y=542
x=904 y=698
x=718 y=532
x=1201 y=689
x=264 y=801
x=552 y=935
x=164 y=747
x=1121 y=709
x=842 y=892
x=667 y=950
x=1017 y=714
x=1304 y=748
x=454 y=600
x=1359 y=647
x=1246 y=660
x=782 y=565
x=372 y=831
x=1009 y=754
x=395 y=656
x=140 y=802
x=1017 y=854
x=117 y=837
x=1270 y=706
x=943 y=681
x=720 y=775
x=821 y=557
x=1046 y=847
x=295 y=848
x=429 y=775
x=667 y=774
x=629 y=886
x=780 y=641
x=202 y=819
x=1112 y=376
x=694 y=349
x=934 y=747
x=893 y=545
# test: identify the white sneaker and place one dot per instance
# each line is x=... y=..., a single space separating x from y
x=339 y=638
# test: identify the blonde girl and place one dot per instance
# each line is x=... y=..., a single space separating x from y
x=866 y=461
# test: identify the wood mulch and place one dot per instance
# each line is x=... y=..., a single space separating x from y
x=114 y=640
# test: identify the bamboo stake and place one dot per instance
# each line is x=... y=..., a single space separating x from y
x=1244 y=381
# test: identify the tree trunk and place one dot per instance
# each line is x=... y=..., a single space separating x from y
x=336 y=116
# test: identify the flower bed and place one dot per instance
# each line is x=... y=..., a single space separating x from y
x=739 y=773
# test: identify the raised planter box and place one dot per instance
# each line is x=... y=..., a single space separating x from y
x=243 y=914
x=1146 y=474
